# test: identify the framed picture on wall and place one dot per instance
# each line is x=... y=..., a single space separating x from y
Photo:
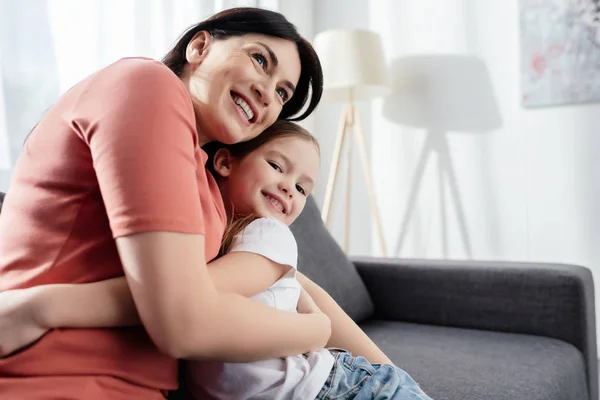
x=560 y=52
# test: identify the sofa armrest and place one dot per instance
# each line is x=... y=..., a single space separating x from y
x=551 y=300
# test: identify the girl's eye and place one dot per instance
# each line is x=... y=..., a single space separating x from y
x=301 y=190
x=275 y=166
x=283 y=94
x=261 y=60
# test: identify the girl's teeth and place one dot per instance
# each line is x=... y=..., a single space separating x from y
x=243 y=106
x=276 y=203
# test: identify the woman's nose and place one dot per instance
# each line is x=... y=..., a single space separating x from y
x=263 y=94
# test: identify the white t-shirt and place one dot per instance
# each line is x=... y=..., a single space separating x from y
x=298 y=377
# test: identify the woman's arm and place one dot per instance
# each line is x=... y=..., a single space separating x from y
x=138 y=122
x=110 y=303
x=216 y=326
x=345 y=333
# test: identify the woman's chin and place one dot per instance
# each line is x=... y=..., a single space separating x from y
x=234 y=135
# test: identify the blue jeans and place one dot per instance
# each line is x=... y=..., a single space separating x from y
x=358 y=379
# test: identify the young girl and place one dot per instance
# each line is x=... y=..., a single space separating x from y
x=265 y=183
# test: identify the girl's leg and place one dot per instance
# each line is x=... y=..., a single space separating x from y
x=356 y=378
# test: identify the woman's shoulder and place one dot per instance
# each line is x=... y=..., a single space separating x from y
x=142 y=91
x=141 y=65
x=140 y=70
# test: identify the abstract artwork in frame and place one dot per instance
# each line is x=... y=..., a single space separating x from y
x=560 y=52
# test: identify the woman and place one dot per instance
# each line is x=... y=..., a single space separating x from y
x=266 y=181
x=112 y=182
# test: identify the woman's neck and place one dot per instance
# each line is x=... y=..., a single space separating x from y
x=202 y=140
x=185 y=78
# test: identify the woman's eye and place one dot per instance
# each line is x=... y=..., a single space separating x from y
x=283 y=94
x=301 y=190
x=275 y=166
x=260 y=59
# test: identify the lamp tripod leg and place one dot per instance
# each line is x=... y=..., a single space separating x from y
x=442 y=194
x=362 y=148
x=348 y=192
x=446 y=161
x=335 y=163
x=414 y=191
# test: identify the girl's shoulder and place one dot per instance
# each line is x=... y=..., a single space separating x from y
x=269 y=237
x=268 y=223
x=267 y=229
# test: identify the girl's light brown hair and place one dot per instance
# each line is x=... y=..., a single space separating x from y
x=280 y=129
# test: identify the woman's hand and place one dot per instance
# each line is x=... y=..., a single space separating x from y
x=19 y=325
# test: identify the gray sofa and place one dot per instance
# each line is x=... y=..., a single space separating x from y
x=465 y=330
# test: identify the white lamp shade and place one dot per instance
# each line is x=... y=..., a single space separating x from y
x=353 y=64
x=442 y=92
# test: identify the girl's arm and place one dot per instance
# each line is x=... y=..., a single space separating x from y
x=103 y=304
x=345 y=333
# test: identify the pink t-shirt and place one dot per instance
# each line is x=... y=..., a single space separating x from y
x=118 y=154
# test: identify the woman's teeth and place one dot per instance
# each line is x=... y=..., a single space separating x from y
x=243 y=106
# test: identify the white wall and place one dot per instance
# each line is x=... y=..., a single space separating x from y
x=529 y=189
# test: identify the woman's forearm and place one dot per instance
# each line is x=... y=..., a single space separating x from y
x=244 y=330
x=253 y=330
x=101 y=304
x=345 y=333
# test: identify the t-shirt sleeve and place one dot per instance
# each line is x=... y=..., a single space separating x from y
x=269 y=238
x=138 y=120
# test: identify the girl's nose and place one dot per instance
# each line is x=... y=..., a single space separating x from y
x=283 y=187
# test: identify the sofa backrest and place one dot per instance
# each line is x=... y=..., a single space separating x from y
x=323 y=261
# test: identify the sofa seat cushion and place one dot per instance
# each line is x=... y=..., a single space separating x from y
x=323 y=261
x=455 y=363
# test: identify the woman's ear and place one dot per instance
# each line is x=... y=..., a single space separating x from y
x=222 y=162
x=197 y=48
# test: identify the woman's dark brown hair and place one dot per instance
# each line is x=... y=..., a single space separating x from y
x=280 y=129
x=246 y=20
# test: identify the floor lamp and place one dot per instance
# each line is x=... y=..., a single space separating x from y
x=441 y=93
x=354 y=69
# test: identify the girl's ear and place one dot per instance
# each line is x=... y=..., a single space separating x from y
x=222 y=162
x=197 y=48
